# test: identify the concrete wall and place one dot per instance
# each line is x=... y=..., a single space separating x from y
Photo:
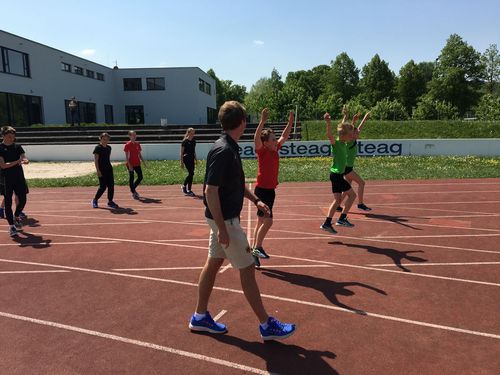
x=417 y=147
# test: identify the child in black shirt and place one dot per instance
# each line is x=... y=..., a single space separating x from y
x=102 y=153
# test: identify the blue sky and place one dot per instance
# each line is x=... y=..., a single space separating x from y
x=244 y=40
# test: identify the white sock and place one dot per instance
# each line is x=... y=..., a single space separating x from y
x=199 y=316
x=264 y=325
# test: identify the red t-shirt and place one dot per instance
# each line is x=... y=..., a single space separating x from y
x=269 y=165
x=133 y=148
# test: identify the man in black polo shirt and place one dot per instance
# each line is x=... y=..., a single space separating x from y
x=224 y=190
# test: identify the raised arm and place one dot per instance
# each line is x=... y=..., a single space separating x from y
x=345 y=113
x=256 y=137
x=329 y=133
x=287 y=130
x=355 y=119
x=360 y=127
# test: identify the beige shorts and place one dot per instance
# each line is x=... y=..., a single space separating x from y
x=238 y=251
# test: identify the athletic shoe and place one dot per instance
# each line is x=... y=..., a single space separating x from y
x=112 y=204
x=363 y=207
x=18 y=223
x=22 y=215
x=207 y=324
x=276 y=330
x=135 y=196
x=344 y=223
x=259 y=252
x=339 y=209
x=184 y=189
x=328 y=228
x=257 y=262
x=190 y=193
x=13 y=231
x=94 y=204
x=2 y=213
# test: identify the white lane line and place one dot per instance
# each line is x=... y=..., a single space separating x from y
x=406 y=193
x=461 y=203
x=439 y=236
x=225 y=268
x=23 y=272
x=219 y=315
x=304 y=259
x=249 y=219
x=228 y=266
x=57 y=243
x=273 y=297
x=433 y=264
x=126 y=340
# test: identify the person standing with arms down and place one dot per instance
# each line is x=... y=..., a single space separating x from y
x=224 y=190
x=104 y=169
x=188 y=160
x=133 y=157
x=73 y=110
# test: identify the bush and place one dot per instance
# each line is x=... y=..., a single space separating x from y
x=389 y=110
x=357 y=104
x=488 y=108
x=430 y=109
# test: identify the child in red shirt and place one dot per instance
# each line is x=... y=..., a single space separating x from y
x=133 y=158
x=267 y=150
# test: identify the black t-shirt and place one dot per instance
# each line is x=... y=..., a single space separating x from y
x=104 y=154
x=189 y=147
x=9 y=154
x=224 y=170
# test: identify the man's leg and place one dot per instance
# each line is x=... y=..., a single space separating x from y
x=252 y=292
x=206 y=283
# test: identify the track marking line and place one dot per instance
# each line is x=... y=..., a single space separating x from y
x=199 y=268
x=273 y=297
x=219 y=315
x=225 y=268
x=438 y=236
x=24 y=272
x=249 y=217
x=25 y=244
x=126 y=340
x=434 y=264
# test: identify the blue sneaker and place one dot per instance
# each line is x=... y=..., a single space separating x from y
x=207 y=324
x=94 y=204
x=259 y=252
x=276 y=330
x=2 y=213
x=112 y=204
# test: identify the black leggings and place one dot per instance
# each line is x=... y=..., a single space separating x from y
x=189 y=163
x=20 y=188
x=131 y=182
x=106 y=181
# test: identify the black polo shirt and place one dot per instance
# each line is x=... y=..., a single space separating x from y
x=189 y=148
x=104 y=157
x=9 y=154
x=224 y=170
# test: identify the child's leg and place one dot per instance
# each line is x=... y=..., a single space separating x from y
x=102 y=188
x=335 y=204
x=9 y=215
x=110 y=184
x=20 y=201
x=137 y=182
x=131 y=181
x=2 y=205
x=361 y=185
x=267 y=222
x=16 y=199
x=260 y=222
x=351 y=196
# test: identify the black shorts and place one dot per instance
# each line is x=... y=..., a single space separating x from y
x=348 y=170
x=339 y=184
x=267 y=196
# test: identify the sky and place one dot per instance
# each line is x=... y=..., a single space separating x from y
x=244 y=40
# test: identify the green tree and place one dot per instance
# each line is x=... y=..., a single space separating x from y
x=458 y=74
x=412 y=83
x=227 y=90
x=430 y=109
x=491 y=62
x=343 y=77
x=387 y=109
x=377 y=81
x=489 y=108
x=267 y=92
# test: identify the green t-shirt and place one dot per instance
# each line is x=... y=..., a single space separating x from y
x=352 y=151
x=339 y=153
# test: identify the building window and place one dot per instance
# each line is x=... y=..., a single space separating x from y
x=100 y=76
x=132 y=84
x=90 y=73
x=65 y=67
x=108 y=114
x=78 y=70
x=204 y=86
x=211 y=115
x=20 y=110
x=134 y=114
x=15 y=62
x=155 y=83
x=86 y=112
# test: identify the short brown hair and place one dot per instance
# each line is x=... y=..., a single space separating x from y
x=231 y=114
x=264 y=135
x=8 y=129
x=104 y=135
x=344 y=128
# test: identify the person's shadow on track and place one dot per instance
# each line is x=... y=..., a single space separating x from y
x=330 y=289
x=122 y=211
x=32 y=222
x=25 y=239
x=149 y=200
x=393 y=219
x=282 y=358
x=395 y=255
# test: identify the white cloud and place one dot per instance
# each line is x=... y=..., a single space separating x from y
x=258 y=42
x=88 y=52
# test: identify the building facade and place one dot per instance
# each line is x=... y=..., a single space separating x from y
x=37 y=83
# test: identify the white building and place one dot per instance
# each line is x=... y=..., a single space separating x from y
x=37 y=82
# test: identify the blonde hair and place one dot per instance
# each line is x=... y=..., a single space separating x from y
x=188 y=130
x=264 y=135
x=130 y=132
